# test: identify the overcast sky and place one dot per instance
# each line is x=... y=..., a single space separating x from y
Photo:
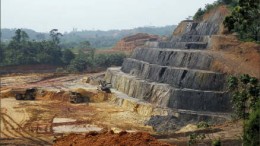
x=44 y=15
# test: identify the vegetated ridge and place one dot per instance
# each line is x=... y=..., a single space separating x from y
x=97 y=38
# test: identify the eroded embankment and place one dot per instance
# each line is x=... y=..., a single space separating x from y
x=109 y=138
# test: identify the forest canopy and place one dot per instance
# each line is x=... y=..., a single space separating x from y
x=23 y=51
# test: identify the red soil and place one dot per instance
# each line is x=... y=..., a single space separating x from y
x=109 y=139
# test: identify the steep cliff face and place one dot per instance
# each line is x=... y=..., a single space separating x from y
x=178 y=73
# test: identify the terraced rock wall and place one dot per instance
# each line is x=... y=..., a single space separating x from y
x=177 y=73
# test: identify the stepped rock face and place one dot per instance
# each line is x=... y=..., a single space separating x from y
x=177 y=73
x=131 y=42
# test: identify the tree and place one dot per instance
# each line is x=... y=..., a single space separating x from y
x=40 y=37
x=79 y=64
x=198 y=15
x=107 y=60
x=84 y=45
x=18 y=51
x=251 y=135
x=229 y=2
x=245 y=20
x=2 y=46
x=245 y=92
x=55 y=36
x=67 y=56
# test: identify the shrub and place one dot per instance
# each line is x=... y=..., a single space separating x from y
x=203 y=124
x=216 y=142
x=245 y=21
x=245 y=91
x=251 y=135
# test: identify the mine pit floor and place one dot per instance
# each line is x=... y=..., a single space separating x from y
x=41 y=121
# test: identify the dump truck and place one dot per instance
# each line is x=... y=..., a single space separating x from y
x=25 y=94
x=76 y=97
x=104 y=86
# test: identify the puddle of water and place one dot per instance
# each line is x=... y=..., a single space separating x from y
x=63 y=120
x=75 y=128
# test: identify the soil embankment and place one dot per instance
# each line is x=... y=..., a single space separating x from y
x=131 y=42
x=110 y=138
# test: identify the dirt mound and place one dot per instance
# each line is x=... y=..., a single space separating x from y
x=54 y=95
x=108 y=139
x=93 y=95
x=131 y=42
x=6 y=93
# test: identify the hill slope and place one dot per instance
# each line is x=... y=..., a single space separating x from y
x=97 y=38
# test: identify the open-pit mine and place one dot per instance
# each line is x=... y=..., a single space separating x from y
x=165 y=88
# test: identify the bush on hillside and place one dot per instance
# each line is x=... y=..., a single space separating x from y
x=245 y=21
x=252 y=129
x=201 y=11
x=87 y=61
x=245 y=92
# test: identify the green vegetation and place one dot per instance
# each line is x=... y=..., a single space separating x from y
x=246 y=104
x=245 y=20
x=198 y=138
x=90 y=60
x=252 y=129
x=216 y=142
x=22 y=51
x=245 y=95
x=201 y=11
x=97 y=38
x=194 y=138
x=203 y=124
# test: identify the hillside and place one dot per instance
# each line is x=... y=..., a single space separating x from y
x=183 y=80
x=97 y=38
x=129 y=43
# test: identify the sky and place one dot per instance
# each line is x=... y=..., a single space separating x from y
x=44 y=15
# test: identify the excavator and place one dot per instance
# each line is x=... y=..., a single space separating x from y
x=104 y=86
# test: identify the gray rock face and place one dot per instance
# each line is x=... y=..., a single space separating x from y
x=201 y=29
x=193 y=59
x=164 y=95
x=183 y=45
x=175 y=74
x=190 y=38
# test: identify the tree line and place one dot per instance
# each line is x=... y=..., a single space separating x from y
x=23 y=51
x=97 y=38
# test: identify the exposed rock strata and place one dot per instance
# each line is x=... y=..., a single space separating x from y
x=176 y=74
x=164 y=95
